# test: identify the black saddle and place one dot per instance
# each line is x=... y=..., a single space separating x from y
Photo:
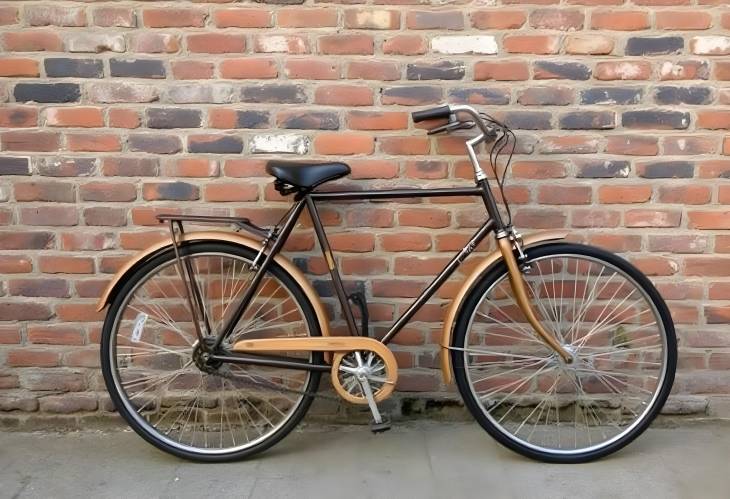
x=306 y=176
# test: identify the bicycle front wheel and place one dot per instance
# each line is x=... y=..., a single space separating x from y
x=607 y=314
x=164 y=388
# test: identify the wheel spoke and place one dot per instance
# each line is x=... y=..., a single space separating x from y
x=611 y=326
x=167 y=386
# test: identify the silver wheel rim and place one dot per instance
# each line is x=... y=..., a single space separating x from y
x=266 y=398
x=533 y=403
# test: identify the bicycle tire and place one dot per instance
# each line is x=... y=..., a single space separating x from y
x=487 y=417
x=121 y=399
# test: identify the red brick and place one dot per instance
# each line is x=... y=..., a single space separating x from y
x=373 y=169
x=230 y=192
x=405 y=241
x=682 y=20
x=40 y=141
x=8 y=15
x=312 y=69
x=344 y=143
x=374 y=70
x=633 y=145
x=363 y=266
x=424 y=217
x=400 y=288
x=616 y=242
x=346 y=44
x=538 y=169
x=86 y=117
x=351 y=242
x=498 y=19
x=173 y=18
x=653 y=218
x=502 y=71
x=58 y=192
x=9 y=335
x=678 y=243
x=709 y=220
x=249 y=68
x=66 y=265
x=52 y=15
x=95 y=142
x=558 y=19
x=372 y=120
x=32 y=41
x=427 y=170
x=686 y=194
x=297 y=17
x=10 y=66
x=154 y=43
x=400 y=146
x=55 y=335
x=405 y=45
x=32 y=358
x=123 y=118
x=216 y=43
x=616 y=194
x=707 y=265
x=18 y=116
x=114 y=16
x=242 y=18
x=343 y=95
x=620 y=20
x=531 y=44
x=12 y=264
x=192 y=70
x=568 y=194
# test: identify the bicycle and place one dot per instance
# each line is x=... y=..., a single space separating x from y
x=214 y=343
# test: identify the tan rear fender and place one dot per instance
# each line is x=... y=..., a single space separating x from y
x=529 y=241
x=216 y=236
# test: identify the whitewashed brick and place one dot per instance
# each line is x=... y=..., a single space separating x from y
x=196 y=94
x=464 y=45
x=287 y=144
x=96 y=43
x=710 y=45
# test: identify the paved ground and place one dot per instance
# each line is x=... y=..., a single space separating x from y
x=414 y=460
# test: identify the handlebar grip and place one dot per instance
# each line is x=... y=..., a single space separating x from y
x=431 y=114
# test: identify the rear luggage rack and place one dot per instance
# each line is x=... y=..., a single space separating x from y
x=239 y=222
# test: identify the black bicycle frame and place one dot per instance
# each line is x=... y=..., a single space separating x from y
x=277 y=240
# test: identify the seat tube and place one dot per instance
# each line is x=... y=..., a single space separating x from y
x=334 y=274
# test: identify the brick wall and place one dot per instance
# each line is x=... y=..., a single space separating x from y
x=112 y=112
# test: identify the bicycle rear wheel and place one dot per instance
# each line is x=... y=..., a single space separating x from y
x=607 y=314
x=167 y=393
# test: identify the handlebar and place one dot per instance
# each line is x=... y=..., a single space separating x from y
x=446 y=112
x=432 y=114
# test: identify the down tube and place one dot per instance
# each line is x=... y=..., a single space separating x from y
x=439 y=280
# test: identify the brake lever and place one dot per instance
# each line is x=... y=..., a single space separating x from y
x=451 y=126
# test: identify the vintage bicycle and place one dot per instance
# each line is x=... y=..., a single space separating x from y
x=214 y=343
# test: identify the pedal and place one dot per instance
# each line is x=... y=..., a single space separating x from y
x=384 y=424
x=358 y=298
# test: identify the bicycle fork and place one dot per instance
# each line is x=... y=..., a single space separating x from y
x=519 y=289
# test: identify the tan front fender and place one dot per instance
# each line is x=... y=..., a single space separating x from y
x=493 y=257
x=228 y=237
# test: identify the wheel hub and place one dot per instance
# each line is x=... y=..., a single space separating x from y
x=201 y=357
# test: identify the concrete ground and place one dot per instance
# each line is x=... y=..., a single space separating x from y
x=414 y=460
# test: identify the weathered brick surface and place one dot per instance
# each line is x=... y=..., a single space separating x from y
x=112 y=112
